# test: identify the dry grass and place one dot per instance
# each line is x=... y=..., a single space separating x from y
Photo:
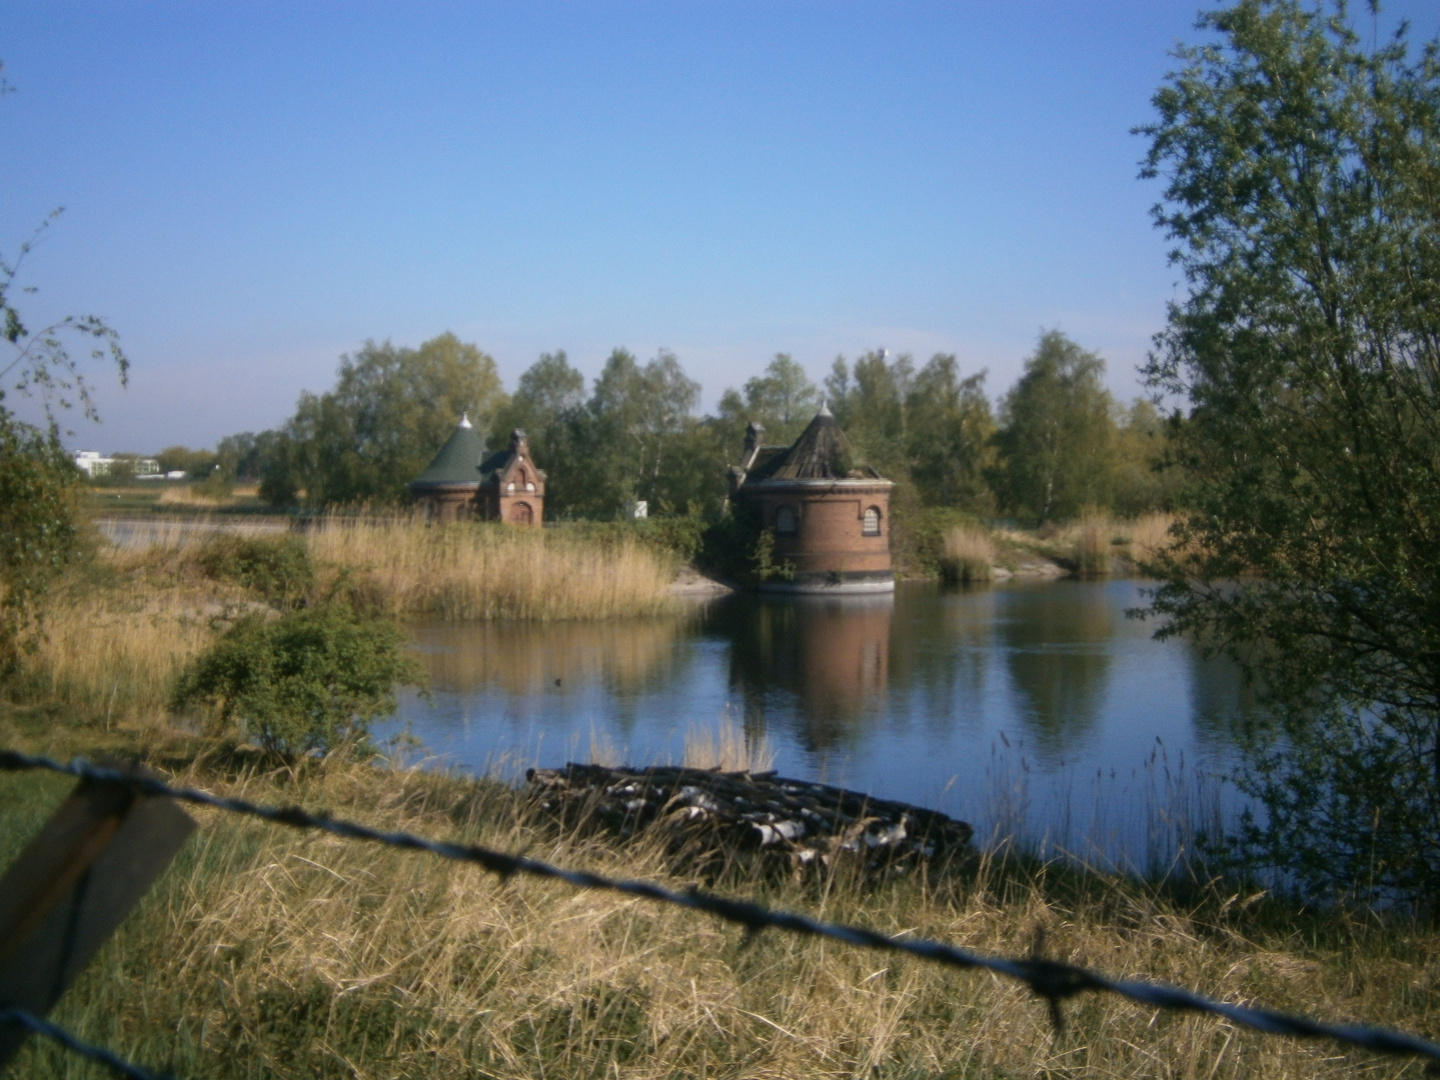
x=117 y=655
x=1090 y=544
x=727 y=746
x=969 y=555
x=270 y=952
x=1148 y=537
x=492 y=572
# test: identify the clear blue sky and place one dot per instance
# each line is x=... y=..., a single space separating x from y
x=252 y=189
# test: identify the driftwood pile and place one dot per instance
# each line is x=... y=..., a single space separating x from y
x=712 y=812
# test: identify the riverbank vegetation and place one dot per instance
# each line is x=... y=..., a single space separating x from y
x=266 y=949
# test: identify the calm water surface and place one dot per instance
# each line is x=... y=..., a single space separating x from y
x=1039 y=709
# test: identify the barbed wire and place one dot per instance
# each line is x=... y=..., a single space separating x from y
x=76 y=1045
x=1053 y=981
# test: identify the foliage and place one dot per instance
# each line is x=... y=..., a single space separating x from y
x=630 y=440
x=951 y=436
x=390 y=411
x=1301 y=188
x=738 y=548
x=278 y=570
x=309 y=681
x=195 y=464
x=678 y=538
x=38 y=528
x=1056 y=442
x=782 y=401
x=546 y=405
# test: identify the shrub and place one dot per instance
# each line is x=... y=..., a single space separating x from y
x=309 y=681
x=279 y=570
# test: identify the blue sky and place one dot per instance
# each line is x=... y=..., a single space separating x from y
x=253 y=189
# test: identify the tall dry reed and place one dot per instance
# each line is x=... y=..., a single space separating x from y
x=114 y=653
x=475 y=571
x=968 y=556
x=270 y=952
x=1090 y=544
x=727 y=746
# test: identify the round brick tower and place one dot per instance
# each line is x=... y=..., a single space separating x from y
x=830 y=514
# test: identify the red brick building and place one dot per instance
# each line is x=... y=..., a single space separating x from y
x=829 y=512
x=463 y=482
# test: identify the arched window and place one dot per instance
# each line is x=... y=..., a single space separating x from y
x=529 y=485
x=785 y=521
x=510 y=488
x=872 y=522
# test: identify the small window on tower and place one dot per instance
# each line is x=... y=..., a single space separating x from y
x=785 y=521
x=872 y=522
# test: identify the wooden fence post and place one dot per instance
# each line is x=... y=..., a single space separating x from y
x=73 y=885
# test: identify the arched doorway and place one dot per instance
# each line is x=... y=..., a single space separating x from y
x=522 y=514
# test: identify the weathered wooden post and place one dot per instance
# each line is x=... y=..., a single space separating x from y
x=73 y=885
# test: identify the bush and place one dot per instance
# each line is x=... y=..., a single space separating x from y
x=309 y=681
x=279 y=571
x=678 y=538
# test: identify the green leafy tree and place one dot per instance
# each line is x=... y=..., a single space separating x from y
x=195 y=464
x=309 y=681
x=1145 y=478
x=782 y=400
x=951 y=436
x=546 y=405
x=1057 y=434
x=1302 y=197
x=390 y=411
x=631 y=433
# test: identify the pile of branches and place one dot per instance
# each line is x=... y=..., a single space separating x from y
x=707 y=812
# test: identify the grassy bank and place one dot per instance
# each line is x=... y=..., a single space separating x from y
x=266 y=952
x=959 y=549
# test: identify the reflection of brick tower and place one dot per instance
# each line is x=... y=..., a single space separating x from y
x=844 y=660
x=829 y=513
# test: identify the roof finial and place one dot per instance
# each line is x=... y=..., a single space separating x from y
x=825 y=409
x=465 y=420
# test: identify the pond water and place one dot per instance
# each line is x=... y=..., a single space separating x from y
x=1034 y=710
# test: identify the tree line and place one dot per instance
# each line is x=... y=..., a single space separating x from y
x=1056 y=444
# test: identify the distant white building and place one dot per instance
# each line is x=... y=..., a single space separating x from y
x=92 y=463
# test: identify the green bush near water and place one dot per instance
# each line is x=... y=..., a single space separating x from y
x=307 y=682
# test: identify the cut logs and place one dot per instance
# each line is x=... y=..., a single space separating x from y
x=710 y=811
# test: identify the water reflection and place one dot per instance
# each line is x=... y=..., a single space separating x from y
x=1056 y=642
x=909 y=697
x=823 y=661
x=528 y=659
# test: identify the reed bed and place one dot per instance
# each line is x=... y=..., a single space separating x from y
x=491 y=572
x=1090 y=545
x=114 y=654
x=267 y=952
x=968 y=555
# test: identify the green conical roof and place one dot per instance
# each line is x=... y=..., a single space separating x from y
x=458 y=461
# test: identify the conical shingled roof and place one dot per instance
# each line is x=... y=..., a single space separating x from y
x=822 y=452
x=458 y=461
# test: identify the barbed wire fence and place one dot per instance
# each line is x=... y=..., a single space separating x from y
x=1052 y=981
